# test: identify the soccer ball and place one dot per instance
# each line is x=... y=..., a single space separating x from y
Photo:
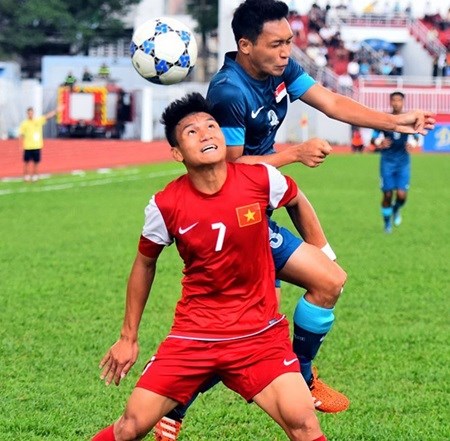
x=163 y=50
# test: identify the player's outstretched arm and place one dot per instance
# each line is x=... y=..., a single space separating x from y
x=345 y=109
x=310 y=153
x=123 y=354
x=306 y=220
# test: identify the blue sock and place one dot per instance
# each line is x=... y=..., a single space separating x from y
x=311 y=325
x=387 y=214
x=180 y=411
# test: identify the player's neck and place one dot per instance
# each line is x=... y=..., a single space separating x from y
x=243 y=61
x=208 y=179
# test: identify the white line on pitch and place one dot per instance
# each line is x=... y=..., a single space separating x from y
x=87 y=183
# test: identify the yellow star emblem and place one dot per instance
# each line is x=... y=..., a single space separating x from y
x=250 y=215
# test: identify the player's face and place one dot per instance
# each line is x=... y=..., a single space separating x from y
x=30 y=113
x=269 y=55
x=397 y=104
x=200 y=140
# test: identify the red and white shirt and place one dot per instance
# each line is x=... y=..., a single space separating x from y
x=228 y=285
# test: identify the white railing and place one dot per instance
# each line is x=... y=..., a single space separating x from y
x=403 y=81
x=418 y=30
x=323 y=75
x=371 y=20
x=436 y=100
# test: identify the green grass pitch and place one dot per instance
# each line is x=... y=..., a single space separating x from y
x=67 y=244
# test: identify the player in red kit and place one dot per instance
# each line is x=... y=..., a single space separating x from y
x=227 y=321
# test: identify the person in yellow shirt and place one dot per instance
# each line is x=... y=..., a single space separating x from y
x=31 y=133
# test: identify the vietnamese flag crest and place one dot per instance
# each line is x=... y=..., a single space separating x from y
x=249 y=214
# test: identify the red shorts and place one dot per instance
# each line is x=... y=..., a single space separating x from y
x=247 y=366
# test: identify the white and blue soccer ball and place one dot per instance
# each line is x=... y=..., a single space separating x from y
x=163 y=50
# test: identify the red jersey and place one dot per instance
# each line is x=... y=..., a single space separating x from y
x=228 y=285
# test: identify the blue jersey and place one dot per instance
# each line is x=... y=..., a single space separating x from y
x=250 y=111
x=395 y=161
x=397 y=152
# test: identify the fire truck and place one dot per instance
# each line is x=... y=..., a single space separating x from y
x=90 y=110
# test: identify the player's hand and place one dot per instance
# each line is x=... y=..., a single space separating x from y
x=312 y=152
x=415 y=121
x=118 y=360
x=385 y=143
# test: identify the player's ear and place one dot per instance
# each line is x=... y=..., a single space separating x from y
x=244 y=45
x=177 y=155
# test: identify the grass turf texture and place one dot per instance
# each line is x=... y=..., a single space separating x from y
x=66 y=250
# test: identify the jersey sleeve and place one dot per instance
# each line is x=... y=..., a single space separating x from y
x=154 y=236
x=282 y=188
x=229 y=109
x=375 y=134
x=297 y=80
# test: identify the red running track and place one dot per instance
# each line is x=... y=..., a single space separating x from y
x=65 y=155
x=60 y=156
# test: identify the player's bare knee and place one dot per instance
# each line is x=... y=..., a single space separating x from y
x=127 y=429
x=333 y=285
x=305 y=428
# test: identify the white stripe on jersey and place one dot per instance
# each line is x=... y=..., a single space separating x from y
x=278 y=186
x=239 y=337
x=155 y=228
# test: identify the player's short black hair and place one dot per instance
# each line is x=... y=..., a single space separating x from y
x=250 y=16
x=397 y=93
x=179 y=109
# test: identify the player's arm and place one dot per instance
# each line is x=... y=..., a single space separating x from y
x=310 y=153
x=123 y=354
x=345 y=109
x=306 y=220
x=300 y=210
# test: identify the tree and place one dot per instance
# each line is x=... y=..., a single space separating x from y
x=33 y=28
x=206 y=13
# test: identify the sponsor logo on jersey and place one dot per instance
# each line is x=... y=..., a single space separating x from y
x=289 y=362
x=249 y=214
x=255 y=113
x=185 y=230
x=280 y=92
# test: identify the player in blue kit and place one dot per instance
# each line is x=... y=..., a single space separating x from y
x=250 y=98
x=395 y=166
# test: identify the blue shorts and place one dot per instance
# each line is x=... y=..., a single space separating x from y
x=394 y=176
x=283 y=244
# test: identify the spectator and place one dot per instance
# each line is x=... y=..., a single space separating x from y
x=87 y=76
x=104 y=72
x=408 y=10
x=70 y=80
x=298 y=28
x=397 y=63
x=357 y=143
x=345 y=81
x=385 y=66
x=353 y=68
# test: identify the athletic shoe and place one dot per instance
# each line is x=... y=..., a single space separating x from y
x=325 y=398
x=388 y=228
x=167 y=429
x=397 y=218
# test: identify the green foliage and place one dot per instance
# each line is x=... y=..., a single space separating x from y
x=206 y=13
x=38 y=27
x=67 y=247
